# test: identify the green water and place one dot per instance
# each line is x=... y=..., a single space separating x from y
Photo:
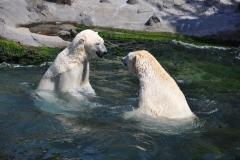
x=100 y=127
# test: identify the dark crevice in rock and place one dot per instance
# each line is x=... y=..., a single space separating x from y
x=2 y=20
x=73 y=32
x=132 y=2
x=68 y=2
x=32 y=9
x=152 y=20
x=105 y=1
x=42 y=9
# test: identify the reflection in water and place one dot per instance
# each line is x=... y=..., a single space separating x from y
x=42 y=125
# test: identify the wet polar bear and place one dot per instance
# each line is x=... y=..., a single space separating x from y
x=159 y=93
x=70 y=70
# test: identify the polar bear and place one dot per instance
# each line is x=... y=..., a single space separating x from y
x=159 y=93
x=70 y=70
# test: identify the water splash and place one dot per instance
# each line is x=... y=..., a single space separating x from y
x=209 y=112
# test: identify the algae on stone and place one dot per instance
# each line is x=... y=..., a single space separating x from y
x=132 y=35
x=12 y=52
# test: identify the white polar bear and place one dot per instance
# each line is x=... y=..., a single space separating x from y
x=70 y=70
x=159 y=93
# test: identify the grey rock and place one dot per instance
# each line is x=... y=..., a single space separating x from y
x=64 y=33
x=210 y=3
x=73 y=32
x=43 y=12
x=58 y=23
x=32 y=9
x=2 y=20
x=219 y=7
x=152 y=20
x=34 y=16
x=179 y=2
x=85 y=20
x=42 y=9
x=82 y=15
x=168 y=3
x=24 y=37
x=132 y=1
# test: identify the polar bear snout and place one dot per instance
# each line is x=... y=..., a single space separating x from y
x=125 y=60
x=101 y=54
x=101 y=50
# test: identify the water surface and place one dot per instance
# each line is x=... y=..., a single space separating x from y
x=99 y=127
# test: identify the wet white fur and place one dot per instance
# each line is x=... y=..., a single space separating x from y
x=159 y=93
x=65 y=73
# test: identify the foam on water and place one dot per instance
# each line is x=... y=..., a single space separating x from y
x=188 y=45
x=238 y=57
x=164 y=125
x=72 y=106
x=10 y=65
x=53 y=103
x=65 y=103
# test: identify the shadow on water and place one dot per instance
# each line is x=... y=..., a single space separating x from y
x=102 y=127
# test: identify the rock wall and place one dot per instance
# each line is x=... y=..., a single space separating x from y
x=214 y=18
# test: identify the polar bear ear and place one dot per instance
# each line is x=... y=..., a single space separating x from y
x=138 y=55
x=97 y=32
x=137 y=58
x=83 y=38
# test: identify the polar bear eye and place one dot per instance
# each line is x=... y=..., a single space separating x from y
x=97 y=44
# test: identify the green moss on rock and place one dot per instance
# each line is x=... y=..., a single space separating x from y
x=132 y=35
x=12 y=52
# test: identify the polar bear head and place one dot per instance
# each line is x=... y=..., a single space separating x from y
x=130 y=61
x=135 y=60
x=90 y=42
